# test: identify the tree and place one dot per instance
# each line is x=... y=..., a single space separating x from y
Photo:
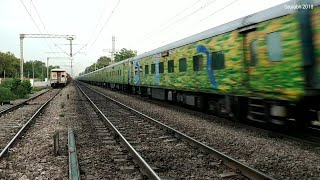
x=10 y=64
x=104 y=61
x=38 y=67
x=124 y=54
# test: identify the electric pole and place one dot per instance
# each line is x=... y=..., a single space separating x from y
x=113 y=49
x=22 y=36
x=70 y=39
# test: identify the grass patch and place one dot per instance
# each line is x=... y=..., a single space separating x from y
x=61 y=115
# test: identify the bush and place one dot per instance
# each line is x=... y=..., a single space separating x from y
x=6 y=94
x=21 y=91
x=27 y=85
x=17 y=89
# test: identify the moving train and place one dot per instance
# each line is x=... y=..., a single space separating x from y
x=264 y=67
x=59 y=78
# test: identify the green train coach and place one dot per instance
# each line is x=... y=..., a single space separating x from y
x=263 y=67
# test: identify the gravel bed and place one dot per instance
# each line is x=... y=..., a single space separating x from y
x=17 y=101
x=280 y=158
x=171 y=158
x=11 y=122
x=98 y=152
x=32 y=157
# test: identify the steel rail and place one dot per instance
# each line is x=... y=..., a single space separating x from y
x=227 y=160
x=141 y=162
x=24 y=127
x=20 y=104
x=74 y=172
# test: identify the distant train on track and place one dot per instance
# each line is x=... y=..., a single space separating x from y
x=263 y=67
x=59 y=78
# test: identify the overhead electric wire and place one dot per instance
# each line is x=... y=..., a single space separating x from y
x=103 y=26
x=44 y=27
x=147 y=36
x=31 y=17
x=224 y=7
x=201 y=8
x=105 y=7
x=219 y=10
x=37 y=24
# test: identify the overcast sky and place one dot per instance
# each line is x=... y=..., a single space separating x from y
x=140 y=25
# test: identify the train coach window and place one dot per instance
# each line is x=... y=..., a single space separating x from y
x=217 y=62
x=161 y=67
x=170 y=66
x=182 y=65
x=197 y=63
x=146 y=69
x=274 y=46
x=253 y=53
x=153 y=68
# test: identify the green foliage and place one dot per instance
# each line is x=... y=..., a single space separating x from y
x=124 y=54
x=9 y=65
x=38 y=68
x=104 y=61
x=27 y=86
x=14 y=88
x=5 y=94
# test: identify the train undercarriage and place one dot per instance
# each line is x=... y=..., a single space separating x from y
x=238 y=108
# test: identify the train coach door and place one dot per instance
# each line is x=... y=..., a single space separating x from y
x=131 y=74
x=250 y=43
x=59 y=76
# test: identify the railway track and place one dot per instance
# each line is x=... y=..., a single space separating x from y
x=14 y=124
x=161 y=151
x=16 y=106
x=108 y=159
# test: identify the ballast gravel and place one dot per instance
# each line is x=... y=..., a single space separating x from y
x=33 y=158
x=280 y=158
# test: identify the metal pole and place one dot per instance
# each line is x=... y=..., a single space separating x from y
x=70 y=39
x=4 y=74
x=41 y=72
x=47 y=69
x=113 y=48
x=32 y=70
x=21 y=56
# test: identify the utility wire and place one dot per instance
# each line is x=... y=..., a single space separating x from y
x=31 y=17
x=104 y=9
x=218 y=10
x=224 y=7
x=36 y=24
x=44 y=27
x=150 y=34
x=103 y=26
x=188 y=15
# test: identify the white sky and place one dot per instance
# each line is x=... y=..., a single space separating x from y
x=140 y=25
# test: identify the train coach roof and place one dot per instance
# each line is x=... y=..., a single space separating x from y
x=271 y=13
x=268 y=14
x=57 y=70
